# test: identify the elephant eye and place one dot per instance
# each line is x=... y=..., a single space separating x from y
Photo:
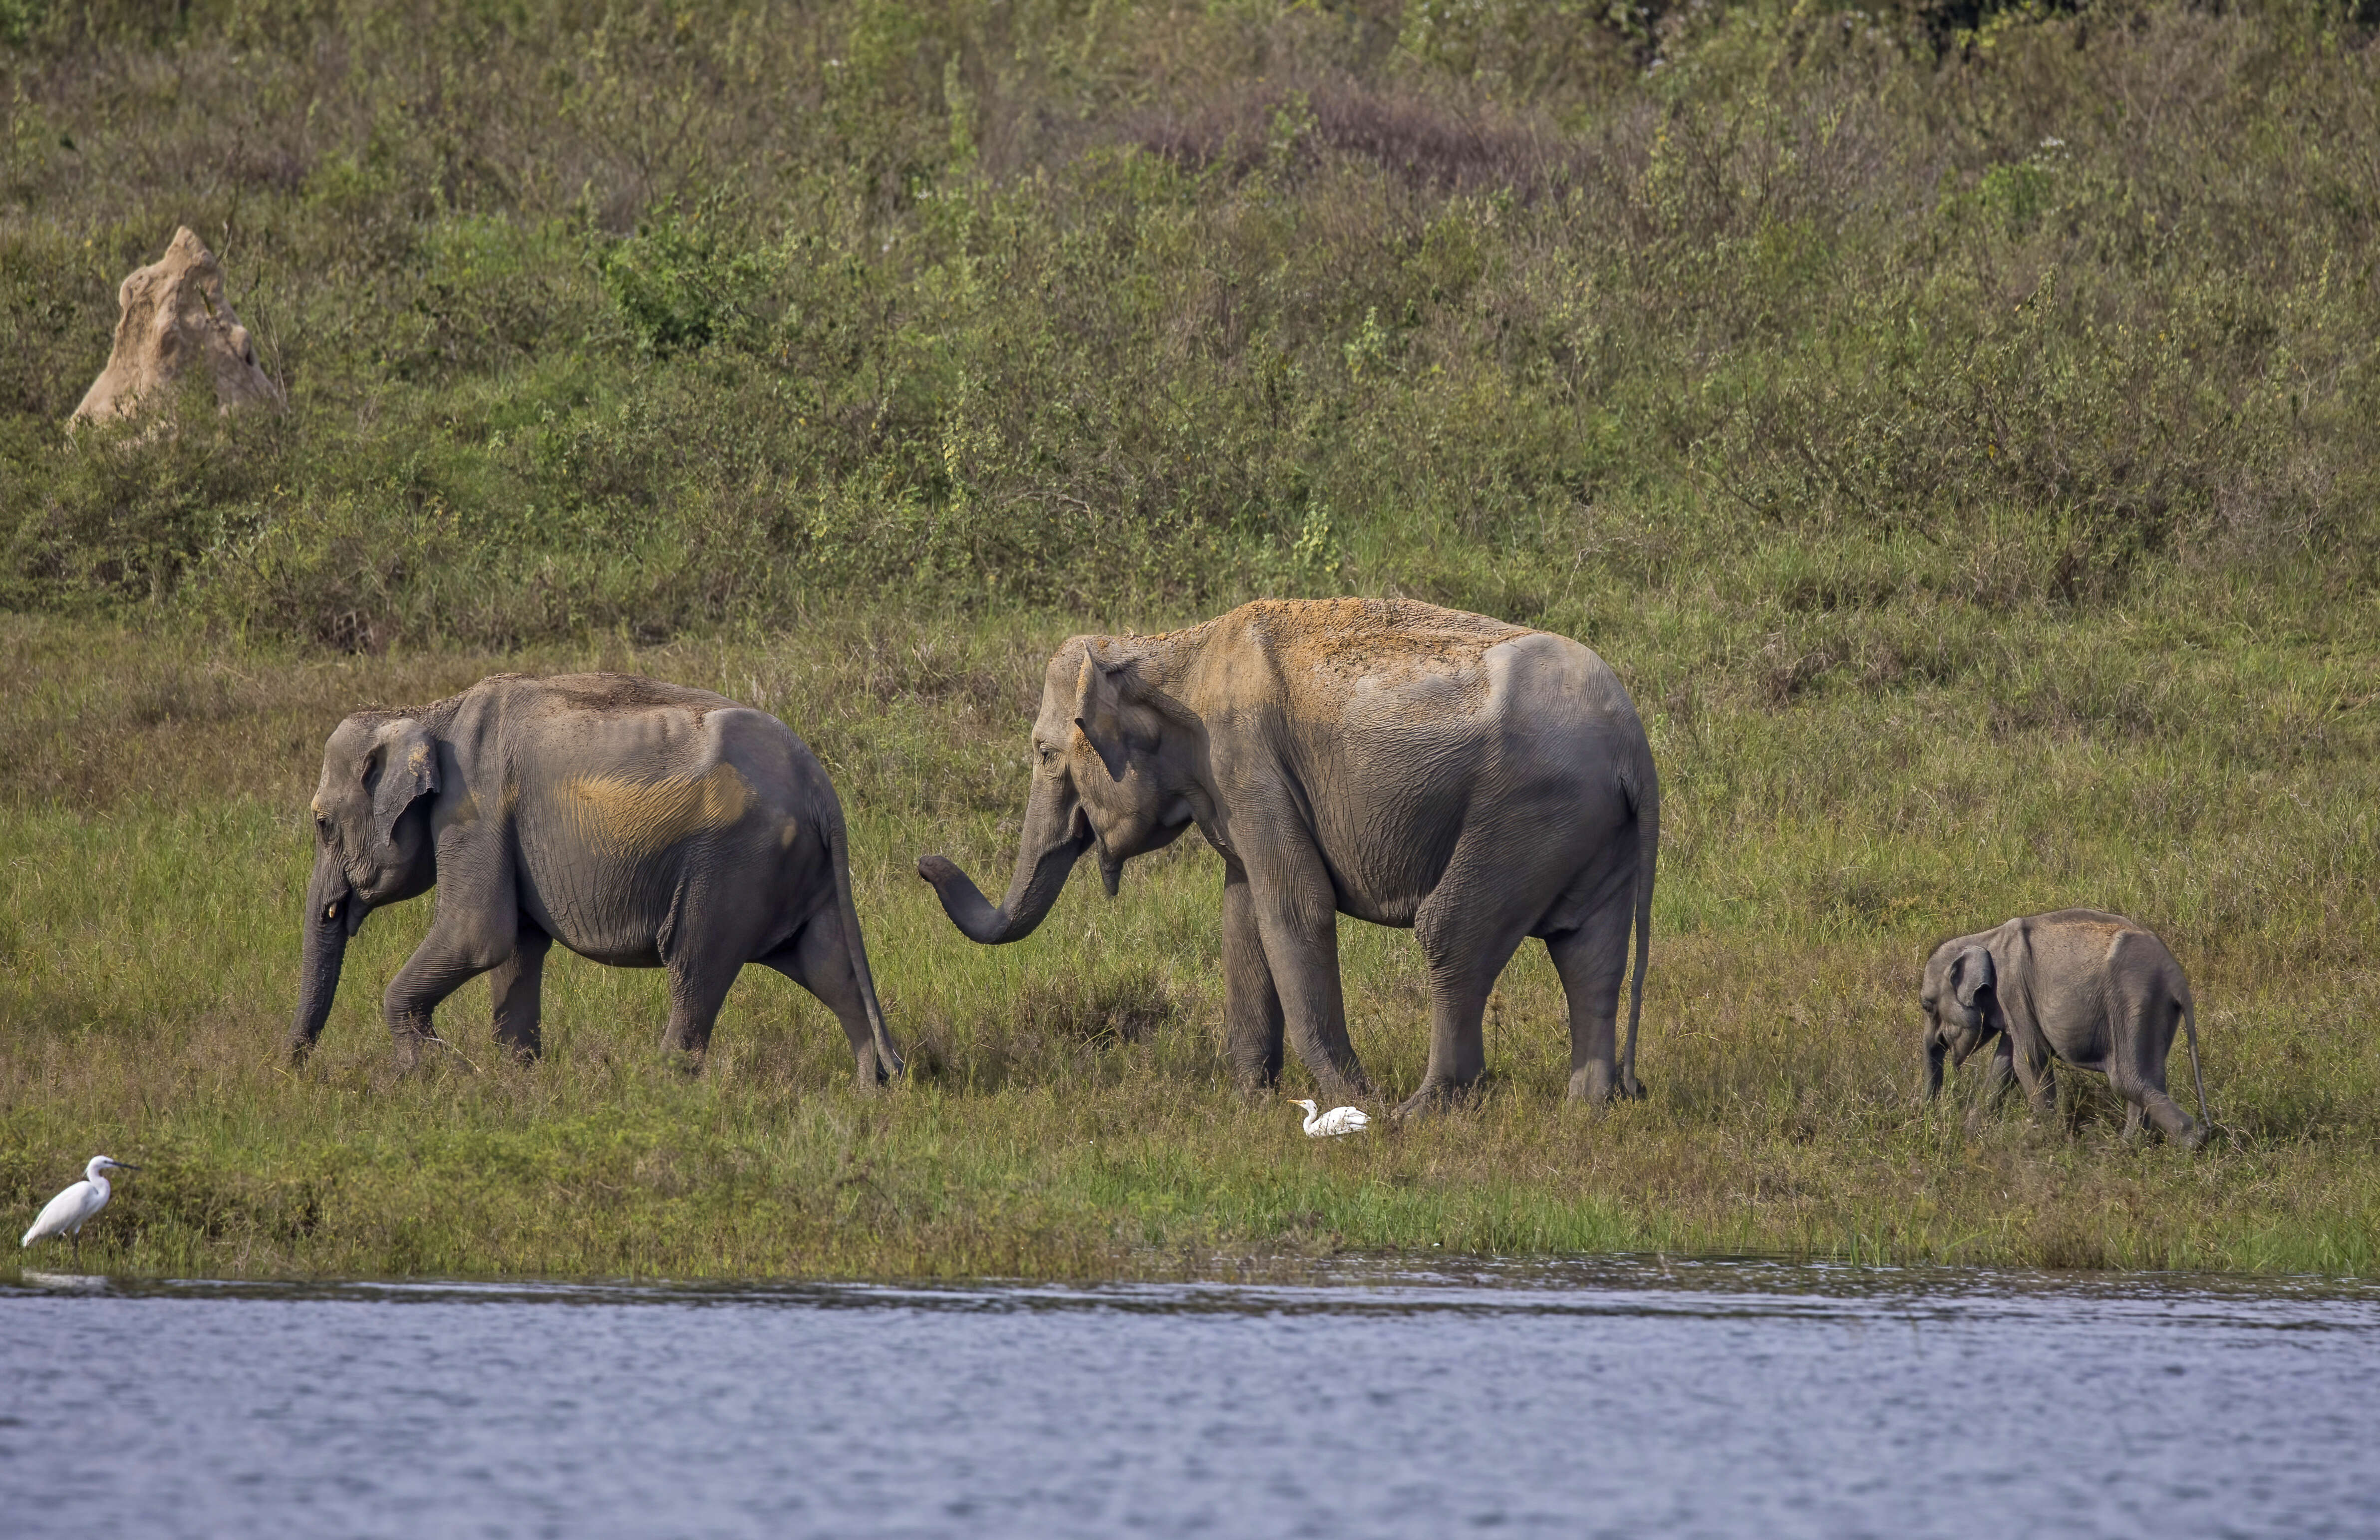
x=1049 y=755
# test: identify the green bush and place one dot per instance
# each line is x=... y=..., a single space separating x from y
x=661 y=318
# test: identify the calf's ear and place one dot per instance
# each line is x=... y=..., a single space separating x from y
x=1971 y=974
x=409 y=769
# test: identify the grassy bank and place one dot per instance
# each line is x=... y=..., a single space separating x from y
x=1953 y=420
x=2213 y=774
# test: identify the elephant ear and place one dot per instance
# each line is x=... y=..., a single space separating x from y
x=1099 y=707
x=1973 y=974
x=409 y=769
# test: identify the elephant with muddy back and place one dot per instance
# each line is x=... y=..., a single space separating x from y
x=638 y=823
x=2094 y=989
x=1479 y=782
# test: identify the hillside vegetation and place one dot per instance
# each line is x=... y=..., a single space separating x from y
x=659 y=316
x=1954 y=422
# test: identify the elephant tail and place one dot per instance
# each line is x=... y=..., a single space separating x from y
x=1644 y=790
x=838 y=846
x=2190 y=1030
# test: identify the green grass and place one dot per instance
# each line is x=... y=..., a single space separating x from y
x=1953 y=420
x=1069 y=1114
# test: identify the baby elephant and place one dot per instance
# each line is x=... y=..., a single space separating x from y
x=2092 y=988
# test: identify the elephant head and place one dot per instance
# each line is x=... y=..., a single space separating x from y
x=1112 y=771
x=372 y=847
x=1960 y=998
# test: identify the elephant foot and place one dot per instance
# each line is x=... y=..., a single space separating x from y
x=420 y=1053
x=1592 y=1084
x=1434 y=1096
x=1631 y=1088
x=1334 y=1085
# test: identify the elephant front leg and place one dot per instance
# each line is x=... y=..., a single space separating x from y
x=517 y=987
x=2034 y=1074
x=1299 y=924
x=1999 y=1070
x=1252 y=1012
x=449 y=957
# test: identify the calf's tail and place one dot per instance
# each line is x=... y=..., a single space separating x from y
x=2189 y=1028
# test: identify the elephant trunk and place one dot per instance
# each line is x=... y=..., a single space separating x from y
x=333 y=914
x=1054 y=839
x=1934 y=1048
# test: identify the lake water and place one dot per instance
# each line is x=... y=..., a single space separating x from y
x=1593 y=1399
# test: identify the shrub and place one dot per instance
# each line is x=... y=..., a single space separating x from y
x=673 y=317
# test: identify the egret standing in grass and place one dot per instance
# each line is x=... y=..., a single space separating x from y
x=1331 y=1125
x=64 y=1214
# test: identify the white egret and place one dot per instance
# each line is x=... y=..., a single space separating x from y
x=1339 y=1120
x=64 y=1214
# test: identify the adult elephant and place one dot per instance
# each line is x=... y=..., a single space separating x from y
x=1410 y=766
x=638 y=823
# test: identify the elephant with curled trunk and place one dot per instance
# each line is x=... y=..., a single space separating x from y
x=1410 y=766
x=2092 y=988
x=638 y=823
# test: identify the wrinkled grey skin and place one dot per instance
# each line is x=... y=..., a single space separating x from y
x=2089 y=987
x=1407 y=765
x=638 y=823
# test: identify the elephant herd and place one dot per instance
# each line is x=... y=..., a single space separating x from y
x=1477 y=782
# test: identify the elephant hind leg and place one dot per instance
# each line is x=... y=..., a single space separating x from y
x=2143 y=1039
x=819 y=959
x=697 y=988
x=1593 y=962
x=2170 y=1119
x=1465 y=950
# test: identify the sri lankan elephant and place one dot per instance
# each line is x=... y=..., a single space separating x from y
x=2092 y=988
x=638 y=823
x=1477 y=782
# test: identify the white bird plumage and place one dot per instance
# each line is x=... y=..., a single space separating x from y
x=1334 y=1124
x=66 y=1213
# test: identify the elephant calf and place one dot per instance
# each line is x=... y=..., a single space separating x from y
x=638 y=823
x=2094 y=989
